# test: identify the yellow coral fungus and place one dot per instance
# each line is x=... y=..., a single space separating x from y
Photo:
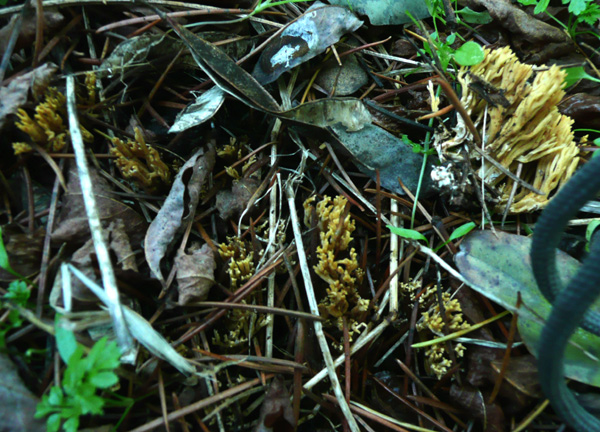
x=240 y=261
x=525 y=127
x=138 y=161
x=343 y=275
x=90 y=86
x=47 y=127
x=436 y=356
x=240 y=324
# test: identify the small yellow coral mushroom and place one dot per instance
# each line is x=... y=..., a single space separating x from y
x=47 y=127
x=138 y=161
x=527 y=129
x=343 y=275
x=436 y=356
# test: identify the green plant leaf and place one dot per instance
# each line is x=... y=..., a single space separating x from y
x=470 y=16
x=577 y=6
x=18 y=293
x=462 y=231
x=541 y=6
x=589 y=231
x=53 y=423
x=56 y=396
x=104 y=379
x=4 y=262
x=65 y=341
x=499 y=268
x=469 y=54
x=575 y=74
x=407 y=233
x=71 y=425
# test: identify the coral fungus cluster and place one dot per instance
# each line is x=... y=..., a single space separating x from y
x=47 y=128
x=516 y=111
x=436 y=356
x=241 y=324
x=140 y=162
x=343 y=275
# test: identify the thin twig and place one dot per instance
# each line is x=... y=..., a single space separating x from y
x=108 y=275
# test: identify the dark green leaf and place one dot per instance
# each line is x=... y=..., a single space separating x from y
x=499 y=268
x=468 y=15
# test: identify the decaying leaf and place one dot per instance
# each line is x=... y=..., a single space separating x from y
x=85 y=260
x=73 y=224
x=349 y=113
x=24 y=251
x=235 y=201
x=387 y=12
x=195 y=274
x=342 y=80
x=526 y=29
x=475 y=402
x=203 y=109
x=521 y=373
x=225 y=73
x=498 y=267
x=18 y=403
x=276 y=413
x=304 y=38
x=52 y=20
x=393 y=158
x=131 y=52
x=178 y=208
x=14 y=95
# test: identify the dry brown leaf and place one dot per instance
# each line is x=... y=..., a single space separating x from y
x=178 y=208
x=522 y=25
x=276 y=414
x=195 y=274
x=85 y=260
x=73 y=224
x=24 y=251
x=52 y=20
x=234 y=201
x=15 y=94
x=521 y=373
x=18 y=403
x=475 y=403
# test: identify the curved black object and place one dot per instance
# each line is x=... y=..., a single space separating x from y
x=569 y=305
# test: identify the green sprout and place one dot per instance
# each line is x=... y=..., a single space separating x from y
x=84 y=377
x=412 y=234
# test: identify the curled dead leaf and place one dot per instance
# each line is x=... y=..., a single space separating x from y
x=195 y=274
x=178 y=208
